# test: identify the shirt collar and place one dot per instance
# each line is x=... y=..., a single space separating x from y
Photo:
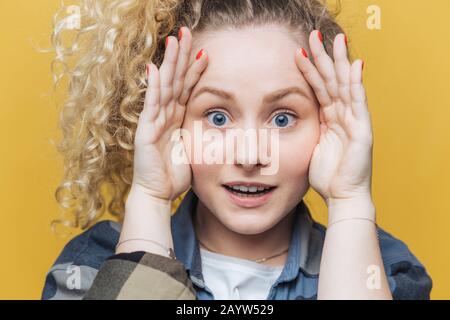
x=304 y=253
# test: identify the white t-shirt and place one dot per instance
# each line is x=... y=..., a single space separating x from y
x=235 y=278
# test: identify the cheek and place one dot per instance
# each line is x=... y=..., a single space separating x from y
x=299 y=146
x=205 y=180
x=203 y=171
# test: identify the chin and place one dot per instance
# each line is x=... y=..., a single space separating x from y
x=245 y=222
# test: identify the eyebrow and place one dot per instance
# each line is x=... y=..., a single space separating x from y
x=271 y=97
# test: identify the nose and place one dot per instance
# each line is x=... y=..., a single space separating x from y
x=250 y=150
x=247 y=164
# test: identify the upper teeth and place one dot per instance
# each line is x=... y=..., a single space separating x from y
x=249 y=189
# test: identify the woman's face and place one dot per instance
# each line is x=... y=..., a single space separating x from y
x=249 y=65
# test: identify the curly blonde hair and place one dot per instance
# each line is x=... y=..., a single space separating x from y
x=105 y=67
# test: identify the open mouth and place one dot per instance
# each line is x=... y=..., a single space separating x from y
x=249 y=194
x=248 y=191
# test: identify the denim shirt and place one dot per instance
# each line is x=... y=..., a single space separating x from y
x=407 y=277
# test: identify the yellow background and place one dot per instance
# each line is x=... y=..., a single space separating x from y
x=406 y=77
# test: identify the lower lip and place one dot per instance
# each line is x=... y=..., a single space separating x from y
x=249 y=201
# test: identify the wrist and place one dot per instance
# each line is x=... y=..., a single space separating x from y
x=360 y=207
x=146 y=217
x=138 y=196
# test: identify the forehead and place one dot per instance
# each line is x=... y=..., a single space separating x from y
x=253 y=57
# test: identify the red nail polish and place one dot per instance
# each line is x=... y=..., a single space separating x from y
x=345 y=38
x=362 y=65
x=167 y=41
x=199 y=54
x=319 y=34
x=304 y=53
x=180 y=34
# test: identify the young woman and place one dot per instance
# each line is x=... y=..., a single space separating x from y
x=278 y=69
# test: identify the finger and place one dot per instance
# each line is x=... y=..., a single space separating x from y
x=167 y=70
x=324 y=63
x=193 y=75
x=313 y=77
x=151 y=102
x=185 y=37
x=357 y=90
x=342 y=67
x=315 y=80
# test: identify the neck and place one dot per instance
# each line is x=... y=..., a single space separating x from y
x=218 y=238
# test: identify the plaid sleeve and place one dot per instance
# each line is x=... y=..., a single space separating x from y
x=141 y=275
x=71 y=275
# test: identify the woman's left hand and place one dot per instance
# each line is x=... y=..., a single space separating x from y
x=341 y=164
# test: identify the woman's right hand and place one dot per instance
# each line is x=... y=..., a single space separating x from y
x=164 y=108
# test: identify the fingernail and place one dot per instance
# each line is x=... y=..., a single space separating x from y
x=345 y=39
x=167 y=41
x=304 y=53
x=180 y=34
x=199 y=54
x=362 y=65
x=319 y=34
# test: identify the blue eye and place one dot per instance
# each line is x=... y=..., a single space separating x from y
x=217 y=118
x=282 y=120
